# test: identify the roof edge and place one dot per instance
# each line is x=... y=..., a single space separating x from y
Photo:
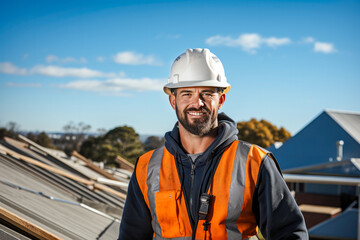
x=341 y=111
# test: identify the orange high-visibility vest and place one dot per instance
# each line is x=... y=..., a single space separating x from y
x=233 y=186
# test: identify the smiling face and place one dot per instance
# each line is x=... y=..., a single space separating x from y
x=197 y=108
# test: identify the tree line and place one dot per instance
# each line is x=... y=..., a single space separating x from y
x=125 y=142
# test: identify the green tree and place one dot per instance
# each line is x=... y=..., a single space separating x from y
x=11 y=130
x=44 y=140
x=31 y=136
x=123 y=141
x=153 y=142
x=41 y=139
x=3 y=133
x=262 y=133
x=127 y=141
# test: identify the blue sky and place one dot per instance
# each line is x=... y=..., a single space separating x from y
x=105 y=62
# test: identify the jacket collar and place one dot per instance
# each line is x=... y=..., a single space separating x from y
x=227 y=133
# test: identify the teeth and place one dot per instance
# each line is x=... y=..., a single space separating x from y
x=196 y=113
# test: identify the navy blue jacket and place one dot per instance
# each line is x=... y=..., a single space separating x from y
x=196 y=178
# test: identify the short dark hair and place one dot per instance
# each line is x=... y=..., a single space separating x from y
x=218 y=89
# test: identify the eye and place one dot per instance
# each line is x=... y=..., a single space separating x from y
x=207 y=95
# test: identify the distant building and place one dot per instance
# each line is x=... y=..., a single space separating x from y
x=317 y=142
x=327 y=195
x=325 y=156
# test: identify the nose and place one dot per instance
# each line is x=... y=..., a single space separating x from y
x=198 y=101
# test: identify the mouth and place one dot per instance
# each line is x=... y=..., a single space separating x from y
x=192 y=113
x=197 y=113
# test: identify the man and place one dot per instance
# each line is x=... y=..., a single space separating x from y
x=205 y=184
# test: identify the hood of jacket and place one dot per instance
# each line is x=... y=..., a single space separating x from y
x=227 y=133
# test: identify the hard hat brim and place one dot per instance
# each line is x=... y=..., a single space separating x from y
x=204 y=83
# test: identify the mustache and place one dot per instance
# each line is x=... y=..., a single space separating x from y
x=200 y=109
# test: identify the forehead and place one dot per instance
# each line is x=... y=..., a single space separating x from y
x=196 y=89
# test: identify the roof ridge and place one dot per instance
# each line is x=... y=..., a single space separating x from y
x=341 y=111
x=350 y=123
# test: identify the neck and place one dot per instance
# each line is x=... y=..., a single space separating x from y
x=196 y=144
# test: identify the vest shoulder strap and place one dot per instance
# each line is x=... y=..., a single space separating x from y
x=141 y=172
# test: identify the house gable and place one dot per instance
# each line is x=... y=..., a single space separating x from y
x=316 y=143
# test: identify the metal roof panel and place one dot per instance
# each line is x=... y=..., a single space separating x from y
x=349 y=121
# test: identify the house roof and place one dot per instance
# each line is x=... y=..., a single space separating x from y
x=349 y=168
x=54 y=202
x=317 y=142
x=343 y=226
x=39 y=202
x=349 y=121
x=77 y=189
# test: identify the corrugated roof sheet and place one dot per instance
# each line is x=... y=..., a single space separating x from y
x=15 y=174
x=60 y=205
x=64 y=220
x=349 y=121
x=9 y=234
x=81 y=191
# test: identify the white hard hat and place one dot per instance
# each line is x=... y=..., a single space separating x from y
x=197 y=68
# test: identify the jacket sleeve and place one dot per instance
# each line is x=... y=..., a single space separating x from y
x=275 y=209
x=136 y=217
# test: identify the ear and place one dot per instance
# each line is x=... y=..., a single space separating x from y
x=172 y=100
x=222 y=100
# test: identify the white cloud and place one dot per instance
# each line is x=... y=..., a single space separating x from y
x=31 y=85
x=54 y=58
x=9 y=68
x=133 y=58
x=55 y=71
x=249 y=42
x=100 y=59
x=116 y=85
x=273 y=42
x=324 y=47
x=308 y=40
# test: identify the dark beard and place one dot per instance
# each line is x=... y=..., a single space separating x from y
x=200 y=127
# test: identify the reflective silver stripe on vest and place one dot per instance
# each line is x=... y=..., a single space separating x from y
x=153 y=181
x=236 y=193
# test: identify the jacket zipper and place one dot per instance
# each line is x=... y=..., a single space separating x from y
x=185 y=197
x=192 y=175
x=196 y=221
x=188 y=204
